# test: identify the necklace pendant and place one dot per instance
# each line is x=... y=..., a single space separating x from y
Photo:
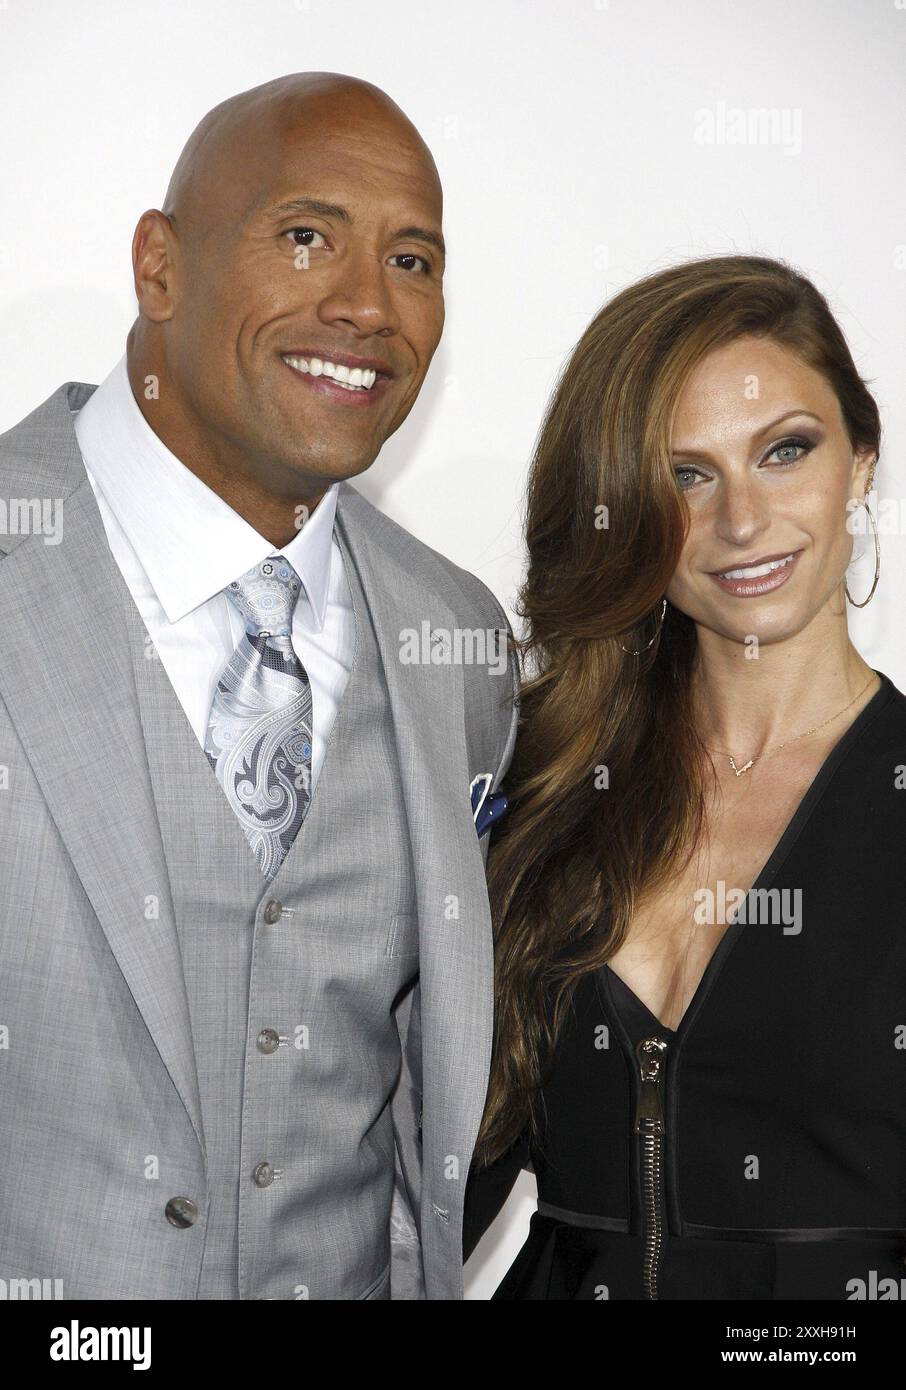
x=740 y=770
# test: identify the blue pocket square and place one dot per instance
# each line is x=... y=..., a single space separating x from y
x=486 y=810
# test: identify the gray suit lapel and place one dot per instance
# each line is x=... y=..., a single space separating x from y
x=456 y=952
x=66 y=679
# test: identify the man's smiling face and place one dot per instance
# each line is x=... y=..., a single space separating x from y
x=305 y=285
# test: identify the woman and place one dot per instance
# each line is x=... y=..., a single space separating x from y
x=710 y=1082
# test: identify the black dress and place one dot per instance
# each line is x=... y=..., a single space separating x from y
x=759 y=1151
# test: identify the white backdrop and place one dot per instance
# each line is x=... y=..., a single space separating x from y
x=581 y=143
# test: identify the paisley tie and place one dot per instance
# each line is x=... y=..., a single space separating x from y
x=258 y=738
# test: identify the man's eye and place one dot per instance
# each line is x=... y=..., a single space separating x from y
x=302 y=236
x=407 y=262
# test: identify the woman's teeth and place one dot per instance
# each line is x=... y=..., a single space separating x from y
x=755 y=571
x=352 y=378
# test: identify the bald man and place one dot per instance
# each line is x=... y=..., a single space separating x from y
x=251 y=736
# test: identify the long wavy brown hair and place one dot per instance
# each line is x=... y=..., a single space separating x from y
x=605 y=525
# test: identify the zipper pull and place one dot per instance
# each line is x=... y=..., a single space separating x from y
x=649 y=1116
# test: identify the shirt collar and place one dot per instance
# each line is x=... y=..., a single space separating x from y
x=191 y=543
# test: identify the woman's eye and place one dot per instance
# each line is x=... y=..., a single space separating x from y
x=686 y=477
x=409 y=257
x=302 y=236
x=785 y=450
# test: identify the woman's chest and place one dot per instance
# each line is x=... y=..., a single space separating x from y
x=676 y=928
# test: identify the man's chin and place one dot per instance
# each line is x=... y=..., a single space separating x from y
x=329 y=468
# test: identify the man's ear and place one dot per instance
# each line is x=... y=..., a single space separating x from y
x=153 y=254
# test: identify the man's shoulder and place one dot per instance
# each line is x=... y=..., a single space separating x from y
x=463 y=592
x=39 y=455
x=52 y=415
x=39 y=438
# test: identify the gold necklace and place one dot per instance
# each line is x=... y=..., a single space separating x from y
x=745 y=767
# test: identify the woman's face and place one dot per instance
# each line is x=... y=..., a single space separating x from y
x=761 y=454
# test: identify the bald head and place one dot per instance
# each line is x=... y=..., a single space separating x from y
x=222 y=158
x=290 y=290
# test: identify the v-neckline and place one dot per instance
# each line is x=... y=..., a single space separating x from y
x=803 y=812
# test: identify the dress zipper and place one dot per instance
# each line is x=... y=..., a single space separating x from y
x=649 y=1125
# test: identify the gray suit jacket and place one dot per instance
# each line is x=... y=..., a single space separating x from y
x=80 y=988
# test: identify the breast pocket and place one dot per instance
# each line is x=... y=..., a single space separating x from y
x=403 y=937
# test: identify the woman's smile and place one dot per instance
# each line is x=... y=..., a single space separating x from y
x=760 y=576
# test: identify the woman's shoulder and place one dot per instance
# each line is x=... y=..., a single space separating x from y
x=857 y=806
x=886 y=710
x=874 y=746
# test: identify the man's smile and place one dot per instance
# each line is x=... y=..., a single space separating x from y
x=353 y=380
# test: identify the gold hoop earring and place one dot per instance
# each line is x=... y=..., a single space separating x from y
x=871 y=591
x=654 y=638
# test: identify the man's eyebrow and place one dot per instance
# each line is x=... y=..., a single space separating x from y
x=765 y=429
x=314 y=207
x=421 y=234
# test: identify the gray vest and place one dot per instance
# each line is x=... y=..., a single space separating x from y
x=291 y=987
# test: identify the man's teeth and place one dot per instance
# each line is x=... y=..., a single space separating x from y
x=353 y=378
x=756 y=571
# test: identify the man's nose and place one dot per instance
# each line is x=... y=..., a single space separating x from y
x=360 y=297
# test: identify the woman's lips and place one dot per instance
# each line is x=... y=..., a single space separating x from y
x=763 y=584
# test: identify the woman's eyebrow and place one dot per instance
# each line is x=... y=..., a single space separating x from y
x=765 y=429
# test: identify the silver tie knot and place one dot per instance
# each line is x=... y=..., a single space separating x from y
x=266 y=597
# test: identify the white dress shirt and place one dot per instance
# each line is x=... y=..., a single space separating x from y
x=178 y=546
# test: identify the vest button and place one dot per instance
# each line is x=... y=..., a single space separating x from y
x=181 y=1211
x=263 y=1174
x=272 y=911
x=268 y=1040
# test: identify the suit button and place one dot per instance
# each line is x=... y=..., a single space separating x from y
x=268 y=1040
x=272 y=911
x=181 y=1211
x=263 y=1174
